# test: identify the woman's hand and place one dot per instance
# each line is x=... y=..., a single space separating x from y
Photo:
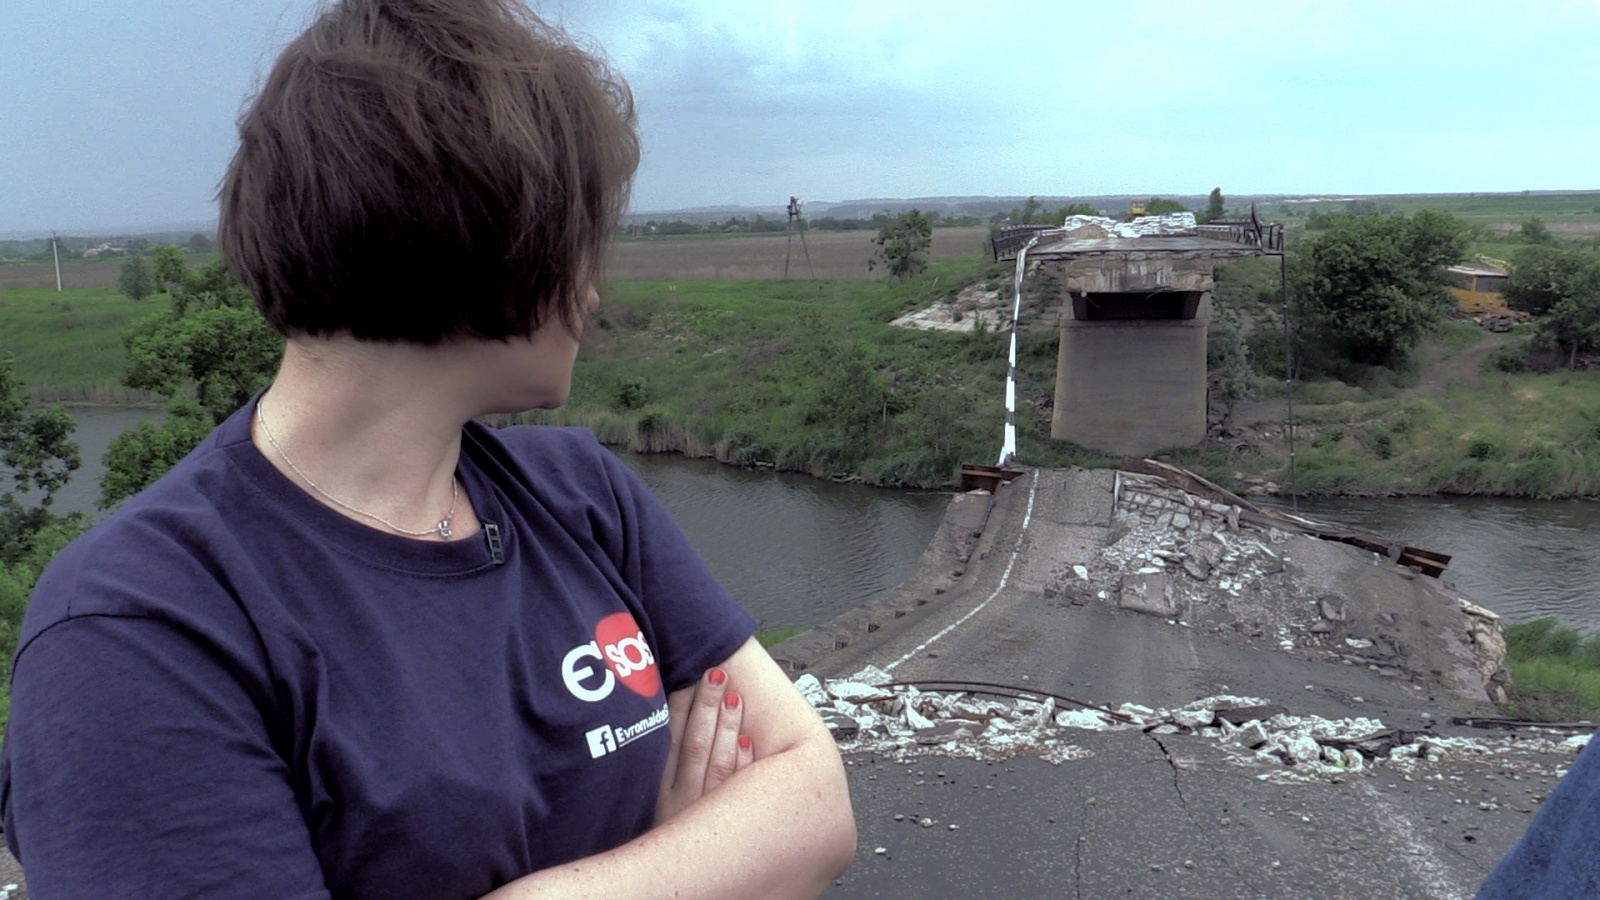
x=707 y=745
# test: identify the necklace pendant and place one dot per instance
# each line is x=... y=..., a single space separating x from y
x=444 y=529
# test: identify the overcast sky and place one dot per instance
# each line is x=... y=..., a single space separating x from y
x=116 y=115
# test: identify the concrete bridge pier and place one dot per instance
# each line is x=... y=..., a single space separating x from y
x=1130 y=386
x=1131 y=365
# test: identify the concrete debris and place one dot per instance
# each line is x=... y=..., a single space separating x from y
x=1225 y=571
x=924 y=723
x=1251 y=735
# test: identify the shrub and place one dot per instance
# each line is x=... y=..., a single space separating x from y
x=631 y=394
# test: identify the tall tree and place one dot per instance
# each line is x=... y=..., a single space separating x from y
x=211 y=341
x=903 y=242
x=1214 y=206
x=1157 y=206
x=1562 y=287
x=37 y=456
x=135 y=279
x=1369 y=285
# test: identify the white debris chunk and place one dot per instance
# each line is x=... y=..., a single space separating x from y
x=854 y=691
x=871 y=675
x=916 y=721
x=1301 y=748
x=1081 y=571
x=810 y=688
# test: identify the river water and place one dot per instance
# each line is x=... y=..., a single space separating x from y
x=798 y=551
x=1524 y=559
x=795 y=550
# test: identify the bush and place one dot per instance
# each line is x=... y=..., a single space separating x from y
x=1378 y=442
x=1507 y=359
x=631 y=394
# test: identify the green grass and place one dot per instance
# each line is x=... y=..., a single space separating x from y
x=68 y=345
x=1523 y=435
x=774 y=636
x=1487 y=208
x=805 y=376
x=1555 y=672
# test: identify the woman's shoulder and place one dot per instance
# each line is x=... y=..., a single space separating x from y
x=158 y=553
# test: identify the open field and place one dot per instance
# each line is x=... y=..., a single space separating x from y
x=1576 y=213
x=835 y=255
x=68 y=345
x=75 y=273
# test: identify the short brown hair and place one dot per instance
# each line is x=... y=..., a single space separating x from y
x=416 y=170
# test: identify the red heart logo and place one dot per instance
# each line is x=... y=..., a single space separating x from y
x=627 y=655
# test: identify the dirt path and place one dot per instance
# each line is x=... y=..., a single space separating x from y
x=1443 y=367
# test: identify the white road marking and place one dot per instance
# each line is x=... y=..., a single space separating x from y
x=1033 y=488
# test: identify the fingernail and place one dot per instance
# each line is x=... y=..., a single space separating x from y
x=730 y=700
x=744 y=742
x=716 y=676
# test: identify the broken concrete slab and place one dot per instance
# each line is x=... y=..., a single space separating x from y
x=1148 y=592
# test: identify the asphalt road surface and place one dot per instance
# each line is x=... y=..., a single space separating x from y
x=1148 y=815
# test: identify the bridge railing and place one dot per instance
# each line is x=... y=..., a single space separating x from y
x=1251 y=232
x=1007 y=241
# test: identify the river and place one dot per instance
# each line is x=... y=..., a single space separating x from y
x=1524 y=559
x=798 y=551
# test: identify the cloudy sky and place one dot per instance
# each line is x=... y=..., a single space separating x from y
x=121 y=115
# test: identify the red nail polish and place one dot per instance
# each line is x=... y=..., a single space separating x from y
x=744 y=742
x=730 y=700
x=716 y=676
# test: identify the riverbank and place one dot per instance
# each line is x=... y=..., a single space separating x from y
x=811 y=377
x=1454 y=424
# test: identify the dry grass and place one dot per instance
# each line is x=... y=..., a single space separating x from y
x=835 y=255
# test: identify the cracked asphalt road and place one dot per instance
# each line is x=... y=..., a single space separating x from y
x=1146 y=815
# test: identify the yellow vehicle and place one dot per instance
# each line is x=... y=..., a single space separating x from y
x=1477 y=289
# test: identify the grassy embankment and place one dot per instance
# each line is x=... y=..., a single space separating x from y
x=1555 y=672
x=1488 y=433
x=1448 y=422
x=807 y=376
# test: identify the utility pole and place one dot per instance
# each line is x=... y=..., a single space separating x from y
x=795 y=224
x=55 y=248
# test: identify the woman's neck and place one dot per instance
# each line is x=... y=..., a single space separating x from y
x=371 y=430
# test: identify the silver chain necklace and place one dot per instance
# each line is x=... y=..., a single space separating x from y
x=442 y=529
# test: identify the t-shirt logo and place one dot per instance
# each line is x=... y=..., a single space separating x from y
x=623 y=655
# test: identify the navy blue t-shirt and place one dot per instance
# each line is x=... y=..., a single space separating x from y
x=1559 y=855
x=228 y=689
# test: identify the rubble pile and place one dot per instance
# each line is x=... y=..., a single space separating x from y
x=866 y=712
x=1196 y=562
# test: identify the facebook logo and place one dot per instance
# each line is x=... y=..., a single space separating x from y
x=601 y=741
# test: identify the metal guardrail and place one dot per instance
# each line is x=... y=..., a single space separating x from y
x=1007 y=241
x=1251 y=232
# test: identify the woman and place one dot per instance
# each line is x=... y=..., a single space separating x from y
x=358 y=644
